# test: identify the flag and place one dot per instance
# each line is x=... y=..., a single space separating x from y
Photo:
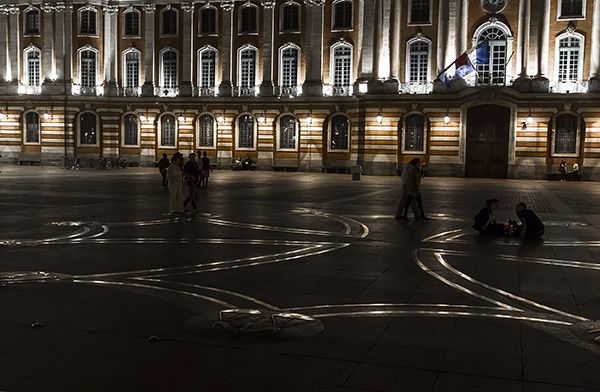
x=464 y=65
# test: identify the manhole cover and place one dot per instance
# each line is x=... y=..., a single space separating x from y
x=30 y=277
x=254 y=324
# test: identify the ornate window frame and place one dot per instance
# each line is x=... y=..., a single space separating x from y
x=333 y=14
x=159 y=131
x=97 y=66
x=215 y=128
x=98 y=131
x=204 y=8
x=161 y=76
x=426 y=131
x=39 y=129
x=207 y=48
x=39 y=20
x=570 y=32
x=237 y=132
x=494 y=22
x=283 y=47
x=281 y=17
x=278 y=133
x=127 y=11
x=579 y=134
x=330 y=130
x=26 y=82
x=240 y=13
x=139 y=130
x=418 y=38
x=131 y=49
x=239 y=66
x=409 y=12
x=563 y=18
x=332 y=49
x=80 y=11
x=162 y=34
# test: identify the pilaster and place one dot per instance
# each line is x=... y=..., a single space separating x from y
x=186 y=87
x=110 y=49
x=14 y=55
x=266 y=86
x=226 y=48
x=594 y=82
x=149 y=50
x=313 y=85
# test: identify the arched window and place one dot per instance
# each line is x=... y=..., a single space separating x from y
x=88 y=68
x=168 y=74
x=130 y=130
x=339 y=134
x=248 y=19
x=494 y=71
x=420 y=12
x=343 y=15
x=88 y=128
x=247 y=71
x=208 y=20
x=32 y=67
x=246 y=128
x=169 y=21
x=88 y=21
x=566 y=135
x=570 y=59
x=288 y=70
x=288 y=131
x=571 y=9
x=131 y=23
x=168 y=131
x=414 y=137
x=290 y=17
x=32 y=128
x=341 y=68
x=418 y=61
x=131 y=71
x=207 y=61
x=32 y=21
x=206 y=131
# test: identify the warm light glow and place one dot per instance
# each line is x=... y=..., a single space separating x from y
x=363 y=88
x=262 y=119
x=2 y=116
x=221 y=118
x=446 y=119
x=379 y=118
x=529 y=119
x=309 y=119
x=46 y=116
x=142 y=117
x=181 y=118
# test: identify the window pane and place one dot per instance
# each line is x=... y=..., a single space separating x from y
x=342 y=15
x=32 y=127
x=342 y=58
x=169 y=26
x=32 y=22
x=132 y=69
x=248 y=68
x=571 y=8
x=340 y=126
x=132 y=23
x=246 y=131
x=33 y=67
x=420 y=10
x=414 y=133
x=167 y=130
x=248 y=20
x=287 y=132
x=88 y=22
x=290 y=17
x=566 y=134
x=206 y=131
x=131 y=130
x=87 y=128
x=568 y=59
x=493 y=72
x=208 y=21
x=419 y=62
x=208 y=68
x=88 y=68
x=289 y=67
x=169 y=69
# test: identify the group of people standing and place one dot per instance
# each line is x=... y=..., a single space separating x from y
x=562 y=169
x=177 y=172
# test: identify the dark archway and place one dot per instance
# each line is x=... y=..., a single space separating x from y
x=488 y=128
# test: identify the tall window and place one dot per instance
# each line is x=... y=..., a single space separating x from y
x=342 y=15
x=32 y=127
x=290 y=17
x=88 y=21
x=246 y=131
x=414 y=134
x=247 y=71
x=287 y=132
x=289 y=70
x=132 y=71
x=570 y=59
x=571 y=9
x=565 y=134
x=32 y=21
x=339 y=133
x=130 y=130
x=167 y=130
x=418 y=62
x=206 y=131
x=33 y=67
x=494 y=71
x=420 y=11
x=208 y=20
x=88 y=128
x=248 y=19
x=208 y=66
x=88 y=67
x=132 y=23
x=169 y=21
x=341 y=69
x=169 y=70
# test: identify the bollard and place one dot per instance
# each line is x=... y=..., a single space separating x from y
x=356 y=171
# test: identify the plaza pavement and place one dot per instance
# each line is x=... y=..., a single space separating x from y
x=292 y=282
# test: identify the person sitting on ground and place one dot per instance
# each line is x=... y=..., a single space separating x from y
x=531 y=225
x=485 y=222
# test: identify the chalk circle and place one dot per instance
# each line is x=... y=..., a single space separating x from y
x=253 y=325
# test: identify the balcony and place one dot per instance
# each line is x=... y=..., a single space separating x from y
x=87 y=90
x=207 y=91
x=169 y=92
x=289 y=91
x=337 y=91
x=416 y=88
x=580 y=86
x=246 y=91
x=131 y=91
x=29 y=90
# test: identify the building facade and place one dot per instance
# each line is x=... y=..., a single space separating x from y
x=305 y=85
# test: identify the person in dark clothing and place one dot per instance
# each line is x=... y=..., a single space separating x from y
x=563 y=170
x=163 y=165
x=531 y=225
x=206 y=169
x=485 y=222
x=191 y=173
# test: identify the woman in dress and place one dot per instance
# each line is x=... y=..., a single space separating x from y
x=175 y=181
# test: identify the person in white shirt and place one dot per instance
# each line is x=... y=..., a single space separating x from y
x=576 y=172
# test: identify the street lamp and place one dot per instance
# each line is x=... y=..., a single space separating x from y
x=220 y=118
x=261 y=118
x=447 y=118
x=309 y=118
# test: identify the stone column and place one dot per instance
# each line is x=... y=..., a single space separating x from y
x=452 y=30
x=68 y=43
x=594 y=82
x=110 y=50
x=186 y=88
x=544 y=41
x=3 y=45
x=225 y=48
x=48 y=64
x=366 y=56
x=266 y=86
x=59 y=43
x=395 y=42
x=14 y=54
x=442 y=45
x=313 y=85
x=540 y=40
x=149 y=50
x=523 y=82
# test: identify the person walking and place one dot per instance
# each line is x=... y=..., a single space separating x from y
x=206 y=169
x=403 y=201
x=413 y=190
x=191 y=173
x=175 y=181
x=563 y=170
x=531 y=225
x=576 y=176
x=163 y=165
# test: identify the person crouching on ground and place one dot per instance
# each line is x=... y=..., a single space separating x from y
x=175 y=180
x=531 y=226
x=485 y=222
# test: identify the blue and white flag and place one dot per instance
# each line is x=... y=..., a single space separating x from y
x=465 y=65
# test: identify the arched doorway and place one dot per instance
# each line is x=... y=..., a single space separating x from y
x=488 y=128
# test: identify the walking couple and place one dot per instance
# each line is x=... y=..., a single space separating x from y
x=411 y=192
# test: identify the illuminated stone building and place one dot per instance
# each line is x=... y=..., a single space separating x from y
x=304 y=85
